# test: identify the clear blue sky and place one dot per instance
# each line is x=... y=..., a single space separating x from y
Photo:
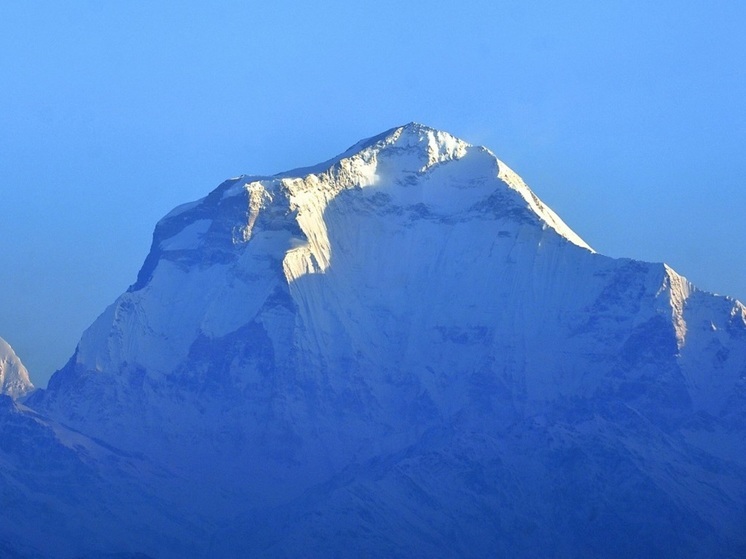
x=626 y=117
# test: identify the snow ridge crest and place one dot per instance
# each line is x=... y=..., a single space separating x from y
x=401 y=153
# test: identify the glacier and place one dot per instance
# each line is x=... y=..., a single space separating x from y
x=399 y=352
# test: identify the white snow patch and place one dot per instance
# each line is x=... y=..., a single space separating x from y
x=189 y=237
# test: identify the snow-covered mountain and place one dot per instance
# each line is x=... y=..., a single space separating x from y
x=14 y=379
x=403 y=352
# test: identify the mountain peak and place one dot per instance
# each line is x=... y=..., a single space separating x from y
x=436 y=145
x=414 y=134
x=376 y=342
x=427 y=147
x=14 y=379
x=439 y=146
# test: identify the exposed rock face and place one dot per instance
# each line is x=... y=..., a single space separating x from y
x=403 y=352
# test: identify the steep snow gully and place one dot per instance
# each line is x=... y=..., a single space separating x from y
x=400 y=352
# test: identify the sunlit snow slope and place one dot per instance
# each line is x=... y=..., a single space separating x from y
x=404 y=352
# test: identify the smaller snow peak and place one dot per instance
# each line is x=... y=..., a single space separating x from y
x=14 y=379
